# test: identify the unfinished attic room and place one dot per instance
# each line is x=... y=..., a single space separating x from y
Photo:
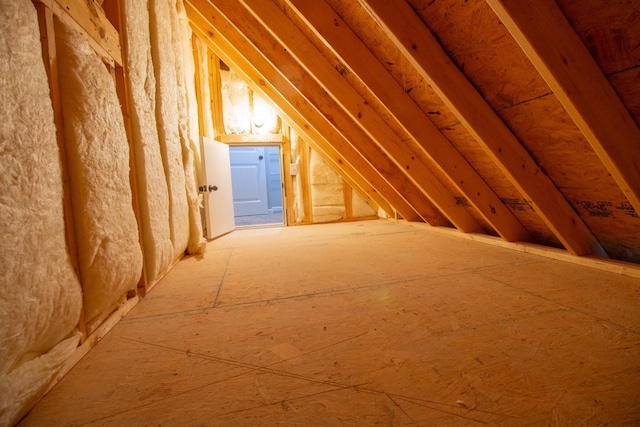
x=320 y=213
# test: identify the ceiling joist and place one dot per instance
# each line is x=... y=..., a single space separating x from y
x=411 y=36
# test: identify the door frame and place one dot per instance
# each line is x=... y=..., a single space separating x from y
x=281 y=157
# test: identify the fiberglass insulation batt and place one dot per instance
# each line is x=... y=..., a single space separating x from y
x=167 y=115
x=40 y=297
x=153 y=195
x=188 y=130
x=98 y=157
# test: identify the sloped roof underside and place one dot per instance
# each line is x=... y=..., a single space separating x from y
x=515 y=118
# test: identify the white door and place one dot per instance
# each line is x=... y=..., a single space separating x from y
x=249 y=177
x=218 y=195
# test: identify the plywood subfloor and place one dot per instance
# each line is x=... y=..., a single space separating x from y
x=364 y=323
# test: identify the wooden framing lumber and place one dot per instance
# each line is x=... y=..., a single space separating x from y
x=251 y=138
x=299 y=113
x=547 y=38
x=420 y=47
x=50 y=58
x=610 y=265
x=411 y=160
x=287 y=178
x=352 y=52
x=115 y=12
x=304 y=151
x=242 y=69
x=302 y=116
x=89 y=17
x=215 y=91
x=198 y=83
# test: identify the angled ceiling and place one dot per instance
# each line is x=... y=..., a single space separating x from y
x=516 y=118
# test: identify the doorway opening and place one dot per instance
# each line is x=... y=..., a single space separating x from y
x=256 y=181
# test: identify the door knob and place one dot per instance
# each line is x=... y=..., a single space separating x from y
x=213 y=188
x=260 y=157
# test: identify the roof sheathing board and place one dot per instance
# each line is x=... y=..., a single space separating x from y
x=380 y=45
x=483 y=50
x=493 y=62
x=387 y=117
x=611 y=32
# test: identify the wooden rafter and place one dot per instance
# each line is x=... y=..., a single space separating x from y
x=346 y=45
x=215 y=94
x=250 y=75
x=89 y=18
x=233 y=48
x=547 y=38
x=383 y=175
x=411 y=36
x=411 y=160
x=353 y=177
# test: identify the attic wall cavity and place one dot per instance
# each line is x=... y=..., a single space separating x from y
x=236 y=107
x=202 y=68
x=167 y=116
x=326 y=191
x=152 y=191
x=40 y=299
x=297 y=146
x=359 y=206
x=332 y=198
x=189 y=133
x=98 y=158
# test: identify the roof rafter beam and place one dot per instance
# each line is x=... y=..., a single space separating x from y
x=306 y=121
x=410 y=160
x=349 y=174
x=240 y=66
x=550 y=42
x=412 y=37
x=346 y=45
x=323 y=113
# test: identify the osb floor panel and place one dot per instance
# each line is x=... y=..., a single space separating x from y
x=366 y=323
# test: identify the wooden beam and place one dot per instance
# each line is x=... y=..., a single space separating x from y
x=287 y=178
x=88 y=17
x=198 y=82
x=404 y=154
x=352 y=52
x=299 y=113
x=547 y=38
x=420 y=47
x=215 y=93
x=241 y=70
x=251 y=138
x=50 y=58
x=346 y=169
x=304 y=151
x=305 y=118
x=249 y=74
x=348 y=200
x=115 y=12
